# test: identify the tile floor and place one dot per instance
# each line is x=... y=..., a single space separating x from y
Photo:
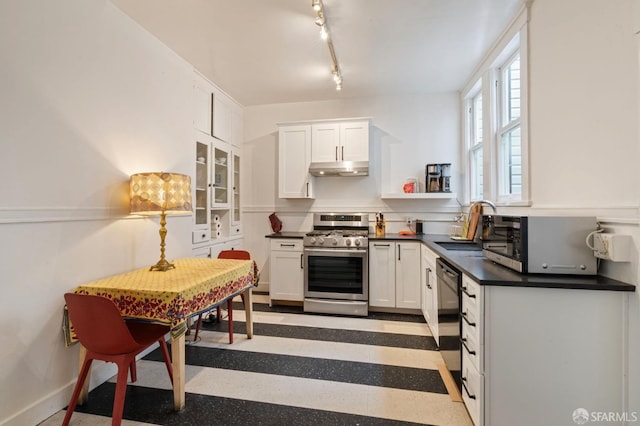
x=298 y=369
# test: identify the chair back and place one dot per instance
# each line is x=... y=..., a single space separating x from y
x=234 y=254
x=98 y=324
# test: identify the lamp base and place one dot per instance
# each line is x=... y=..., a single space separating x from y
x=162 y=265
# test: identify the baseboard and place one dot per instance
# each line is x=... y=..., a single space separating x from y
x=55 y=401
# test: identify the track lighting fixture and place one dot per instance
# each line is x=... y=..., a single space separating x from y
x=324 y=34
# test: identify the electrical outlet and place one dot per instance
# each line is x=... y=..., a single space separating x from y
x=614 y=247
x=409 y=221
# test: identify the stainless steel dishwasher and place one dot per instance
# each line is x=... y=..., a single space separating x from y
x=449 y=279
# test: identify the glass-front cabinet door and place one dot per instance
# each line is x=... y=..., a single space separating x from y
x=201 y=186
x=220 y=185
x=235 y=214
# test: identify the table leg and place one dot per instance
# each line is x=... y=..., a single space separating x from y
x=248 y=309
x=178 y=360
x=84 y=393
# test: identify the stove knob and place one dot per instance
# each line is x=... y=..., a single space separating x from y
x=312 y=240
x=348 y=242
x=320 y=241
x=334 y=242
x=358 y=242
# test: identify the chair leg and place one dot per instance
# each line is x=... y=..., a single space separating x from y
x=230 y=318
x=243 y=300
x=134 y=372
x=198 y=325
x=121 y=391
x=167 y=359
x=76 y=391
x=218 y=313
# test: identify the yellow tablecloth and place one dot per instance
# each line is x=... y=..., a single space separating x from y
x=194 y=286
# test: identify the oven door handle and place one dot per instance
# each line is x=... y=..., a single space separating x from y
x=335 y=250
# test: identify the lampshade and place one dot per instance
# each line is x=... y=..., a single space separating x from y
x=163 y=194
x=155 y=193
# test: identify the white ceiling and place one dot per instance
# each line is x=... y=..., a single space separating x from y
x=270 y=51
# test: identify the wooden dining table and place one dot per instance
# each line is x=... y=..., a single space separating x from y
x=196 y=285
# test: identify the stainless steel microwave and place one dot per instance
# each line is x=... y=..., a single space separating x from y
x=540 y=244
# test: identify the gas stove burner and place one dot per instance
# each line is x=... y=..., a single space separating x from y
x=338 y=230
x=339 y=233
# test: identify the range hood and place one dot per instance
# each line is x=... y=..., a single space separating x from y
x=340 y=168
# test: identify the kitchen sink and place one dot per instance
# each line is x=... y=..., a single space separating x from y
x=459 y=245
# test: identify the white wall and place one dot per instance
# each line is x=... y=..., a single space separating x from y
x=584 y=144
x=88 y=98
x=407 y=133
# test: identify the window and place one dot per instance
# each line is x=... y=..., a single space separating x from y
x=495 y=137
x=475 y=147
x=509 y=132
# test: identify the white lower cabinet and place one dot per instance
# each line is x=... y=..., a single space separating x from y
x=286 y=270
x=531 y=356
x=212 y=250
x=472 y=348
x=394 y=274
x=429 y=291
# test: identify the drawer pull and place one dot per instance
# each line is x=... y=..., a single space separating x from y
x=464 y=290
x=464 y=385
x=287 y=245
x=463 y=340
x=464 y=317
x=382 y=245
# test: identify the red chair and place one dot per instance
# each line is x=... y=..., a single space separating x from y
x=226 y=254
x=108 y=337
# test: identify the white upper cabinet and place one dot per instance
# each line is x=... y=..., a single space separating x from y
x=340 y=141
x=222 y=117
x=294 y=157
x=201 y=104
x=237 y=123
x=354 y=141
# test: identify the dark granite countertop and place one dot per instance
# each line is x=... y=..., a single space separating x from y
x=287 y=235
x=487 y=272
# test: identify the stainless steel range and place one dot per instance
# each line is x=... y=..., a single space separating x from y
x=336 y=264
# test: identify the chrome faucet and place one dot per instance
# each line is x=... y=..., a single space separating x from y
x=478 y=232
x=480 y=202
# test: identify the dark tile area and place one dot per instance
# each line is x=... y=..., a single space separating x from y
x=314 y=368
x=155 y=406
x=329 y=335
x=263 y=307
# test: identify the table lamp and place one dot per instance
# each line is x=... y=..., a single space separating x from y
x=164 y=194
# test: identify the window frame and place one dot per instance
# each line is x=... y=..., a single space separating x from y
x=474 y=142
x=487 y=80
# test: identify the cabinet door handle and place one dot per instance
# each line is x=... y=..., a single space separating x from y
x=343 y=153
x=399 y=251
x=464 y=385
x=463 y=340
x=428 y=271
x=466 y=319
x=336 y=153
x=307 y=189
x=301 y=263
x=464 y=290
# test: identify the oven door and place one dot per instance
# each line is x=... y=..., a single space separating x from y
x=336 y=273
